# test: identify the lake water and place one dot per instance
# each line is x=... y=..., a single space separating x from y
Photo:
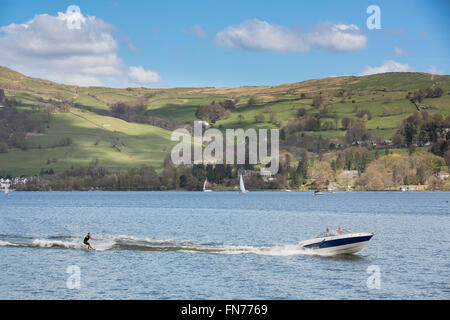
x=221 y=245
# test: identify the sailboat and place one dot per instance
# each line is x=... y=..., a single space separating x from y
x=6 y=190
x=204 y=186
x=241 y=185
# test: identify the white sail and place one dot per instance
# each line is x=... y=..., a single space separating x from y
x=6 y=189
x=241 y=184
x=204 y=186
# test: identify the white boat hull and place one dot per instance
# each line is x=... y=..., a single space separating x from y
x=339 y=244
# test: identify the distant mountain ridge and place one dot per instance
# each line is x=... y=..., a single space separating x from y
x=86 y=116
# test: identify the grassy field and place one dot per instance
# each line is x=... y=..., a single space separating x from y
x=92 y=138
x=93 y=130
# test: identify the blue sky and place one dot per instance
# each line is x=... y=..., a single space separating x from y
x=223 y=43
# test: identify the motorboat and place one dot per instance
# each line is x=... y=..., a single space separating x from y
x=339 y=242
x=318 y=193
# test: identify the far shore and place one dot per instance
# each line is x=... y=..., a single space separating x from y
x=258 y=190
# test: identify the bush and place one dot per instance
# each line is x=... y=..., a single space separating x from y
x=319 y=101
x=3 y=147
x=437 y=92
x=346 y=122
x=252 y=101
x=259 y=118
x=301 y=112
x=363 y=113
x=211 y=113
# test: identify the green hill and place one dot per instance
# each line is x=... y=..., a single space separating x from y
x=83 y=116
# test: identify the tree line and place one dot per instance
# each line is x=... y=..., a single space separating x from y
x=146 y=178
x=15 y=124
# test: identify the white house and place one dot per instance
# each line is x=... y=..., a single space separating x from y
x=4 y=182
x=443 y=175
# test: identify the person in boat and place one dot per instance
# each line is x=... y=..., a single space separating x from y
x=327 y=229
x=339 y=230
x=86 y=241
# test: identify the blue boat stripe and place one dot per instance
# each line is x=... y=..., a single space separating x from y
x=337 y=242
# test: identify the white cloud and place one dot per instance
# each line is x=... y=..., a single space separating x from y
x=398 y=51
x=46 y=47
x=338 y=37
x=140 y=76
x=255 y=34
x=387 y=66
x=198 y=31
x=435 y=70
x=260 y=35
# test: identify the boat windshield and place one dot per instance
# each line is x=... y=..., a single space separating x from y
x=332 y=233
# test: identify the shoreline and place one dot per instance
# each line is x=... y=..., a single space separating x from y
x=259 y=190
